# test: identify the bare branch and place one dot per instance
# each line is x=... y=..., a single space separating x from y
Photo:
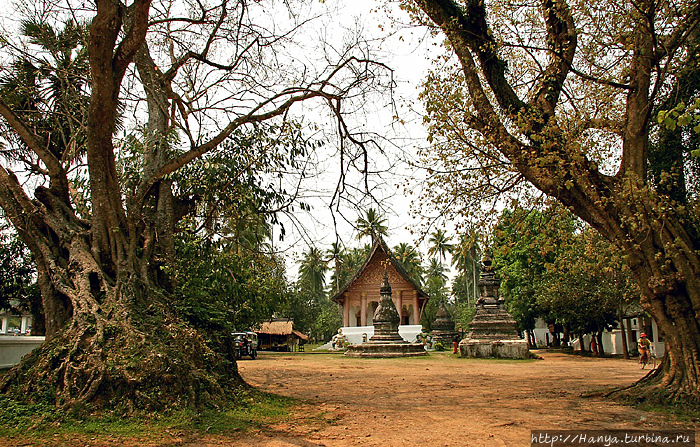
x=53 y=164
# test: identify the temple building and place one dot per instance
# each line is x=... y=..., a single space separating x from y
x=361 y=295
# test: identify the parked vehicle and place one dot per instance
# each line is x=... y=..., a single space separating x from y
x=245 y=344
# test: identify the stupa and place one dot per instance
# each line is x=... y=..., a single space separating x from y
x=386 y=341
x=493 y=331
x=443 y=327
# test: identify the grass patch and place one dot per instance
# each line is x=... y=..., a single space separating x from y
x=681 y=412
x=249 y=409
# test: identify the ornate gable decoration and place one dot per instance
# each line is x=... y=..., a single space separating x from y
x=372 y=271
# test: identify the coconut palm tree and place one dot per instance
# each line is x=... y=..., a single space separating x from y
x=372 y=225
x=49 y=89
x=312 y=271
x=440 y=244
x=436 y=269
x=250 y=232
x=466 y=258
x=410 y=260
x=335 y=255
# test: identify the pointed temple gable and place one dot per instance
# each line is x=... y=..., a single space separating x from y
x=360 y=296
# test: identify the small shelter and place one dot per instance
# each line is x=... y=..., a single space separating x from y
x=360 y=297
x=279 y=335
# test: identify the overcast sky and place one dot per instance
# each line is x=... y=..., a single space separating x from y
x=406 y=52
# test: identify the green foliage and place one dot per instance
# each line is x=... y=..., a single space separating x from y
x=309 y=305
x=410 y=259
x=440 y=244
x=18 y=288
x=221 y=290
x=237 y=187
x=554 y=268
x=463 y=288
x=47 y=87
x=436 y=270
x=463 y=313
x=439 y=347
x=348 y=263
x=586 y=285
x=228 y=278
x=312 y=272
x=465 y=258
x=372 y=225
x=674 y=162
x=436 y=290
x=681 y=115
x=334 y=256
x=18 y=416
x=526 y=243
x=316 y=316
x=17 y=272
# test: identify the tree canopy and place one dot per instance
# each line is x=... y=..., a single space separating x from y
x=556 y=268
x=124 y=118
x=18 y=289
x=561 y=95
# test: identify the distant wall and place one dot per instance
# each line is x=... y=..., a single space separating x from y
x=13 y=348
x=407 y=331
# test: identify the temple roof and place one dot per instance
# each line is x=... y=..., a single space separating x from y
x=380 y=245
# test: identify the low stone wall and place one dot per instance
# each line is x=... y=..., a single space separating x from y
x=13 y=348
x=500 y=349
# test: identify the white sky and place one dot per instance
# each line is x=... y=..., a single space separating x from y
x=406 y=53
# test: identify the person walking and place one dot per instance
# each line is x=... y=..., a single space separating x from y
x=644 y=347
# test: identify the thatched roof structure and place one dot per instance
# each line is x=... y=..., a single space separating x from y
x=282 y=327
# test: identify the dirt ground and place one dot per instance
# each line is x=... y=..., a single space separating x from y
x=433 y=401
x=440 y=400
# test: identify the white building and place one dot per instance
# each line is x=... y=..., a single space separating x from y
x=15 y=341
x=13 y=324
x=612 y=340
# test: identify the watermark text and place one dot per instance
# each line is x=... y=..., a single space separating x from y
x=611 y=438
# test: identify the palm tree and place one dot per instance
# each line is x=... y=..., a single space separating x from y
x=410 y=260
x=440 y=244
x=436 y=269
x=312 y=272
x=350 y=262
x=49 y=88
x=335 y=254
x=466 y=259
x=372 y=225
x=249 y=232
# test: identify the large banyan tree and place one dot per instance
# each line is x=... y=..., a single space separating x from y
x=101 y=108
x=565 y=95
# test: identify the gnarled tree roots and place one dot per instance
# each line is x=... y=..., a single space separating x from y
x=124 y=368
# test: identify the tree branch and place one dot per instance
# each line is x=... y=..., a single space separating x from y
x=561 y=36
x=469 y=31
x=53 y=164
x=135 y=36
